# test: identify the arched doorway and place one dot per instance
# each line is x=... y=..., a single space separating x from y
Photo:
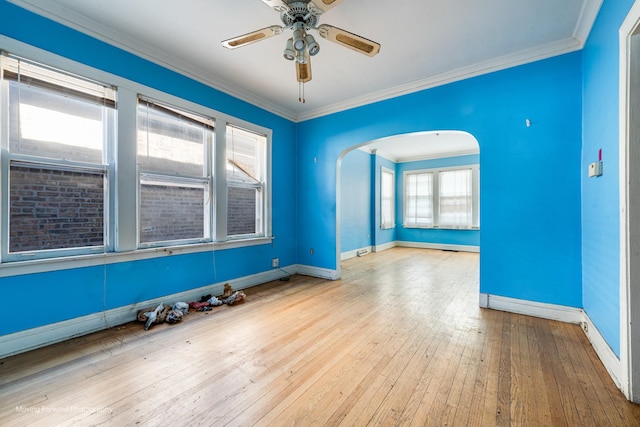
x=362 y=170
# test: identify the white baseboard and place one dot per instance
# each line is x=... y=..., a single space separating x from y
x=30 y=339
x=385 y=246
x=322 y=273
x=378 y=248
x=441 y=246
x=561 y=313
x=532 y=308
x=609 y=359
x=352 y=254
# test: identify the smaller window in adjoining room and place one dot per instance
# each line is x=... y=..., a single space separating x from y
x=174 y=149
x=57 y=151
x=387 y=199
x=246 y=182
x=442 y=198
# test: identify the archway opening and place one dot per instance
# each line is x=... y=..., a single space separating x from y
x=418 y=189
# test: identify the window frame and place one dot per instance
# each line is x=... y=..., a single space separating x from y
x=392 y=199
x=8 y=159
x=121 y=216
x=475 y=197
x=260 y=186
x=169 y=178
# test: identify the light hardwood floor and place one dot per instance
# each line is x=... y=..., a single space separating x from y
x=400 y=340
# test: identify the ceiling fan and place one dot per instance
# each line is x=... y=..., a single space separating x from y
x=302 y=16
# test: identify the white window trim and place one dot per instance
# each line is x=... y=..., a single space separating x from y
x=123 y=198
x=384 y=170
x=7 y=158
x=261 y=186
x=475 y=182
x=205 y=181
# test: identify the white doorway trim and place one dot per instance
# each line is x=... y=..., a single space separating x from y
x=629 y=154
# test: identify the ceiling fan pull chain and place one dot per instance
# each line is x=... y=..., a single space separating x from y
x=301 y=93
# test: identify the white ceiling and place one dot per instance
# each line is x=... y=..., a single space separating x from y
x=424 y=145
x=425 y=43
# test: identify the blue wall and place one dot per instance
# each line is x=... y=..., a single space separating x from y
x=549 y=234
x=77 y=292
x=600 y=196
x=425 y=235
x=356 y=201
x=530 y=222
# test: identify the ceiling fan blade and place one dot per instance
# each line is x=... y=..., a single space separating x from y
x=252 y=37
x=278 y=5
x=303 y=71
x=350 y=40
x=323 y=5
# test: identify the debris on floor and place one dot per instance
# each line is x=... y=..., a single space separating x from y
x=174 y=313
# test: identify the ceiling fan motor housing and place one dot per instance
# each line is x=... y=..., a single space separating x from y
x=299 y=12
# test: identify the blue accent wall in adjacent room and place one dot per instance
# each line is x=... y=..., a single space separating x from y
x=600 y=196
x=355 y=201
x=531 y=176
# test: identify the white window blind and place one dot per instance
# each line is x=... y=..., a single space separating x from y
x=442 y=198
x=419 y=199
x=455 y=198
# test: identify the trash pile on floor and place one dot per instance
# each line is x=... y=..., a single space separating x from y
x=174 y=313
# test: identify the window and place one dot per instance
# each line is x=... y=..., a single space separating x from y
x=246 y=182
x=444 y=198
x=173 y=151
x=60 y=130
x=387 y=202
x=454 y=198
x=419 y=200
x=86 y=168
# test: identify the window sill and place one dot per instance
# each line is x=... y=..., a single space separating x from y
x=17 y=268
x=431 y=227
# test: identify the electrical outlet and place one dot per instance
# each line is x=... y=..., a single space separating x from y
x=275 y=262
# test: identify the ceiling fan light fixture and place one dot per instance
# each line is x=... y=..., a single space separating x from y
x=313 y=46
x=302 y=57
x=299 y=37
x=289 y=53
x=301 y=16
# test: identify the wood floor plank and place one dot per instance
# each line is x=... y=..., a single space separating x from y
x=400 y=340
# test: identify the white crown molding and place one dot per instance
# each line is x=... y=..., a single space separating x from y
x=437 y=156
x=378 y=152
x=588 y=15
x=384 y=154
x=478 y=69
x=78 y=22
